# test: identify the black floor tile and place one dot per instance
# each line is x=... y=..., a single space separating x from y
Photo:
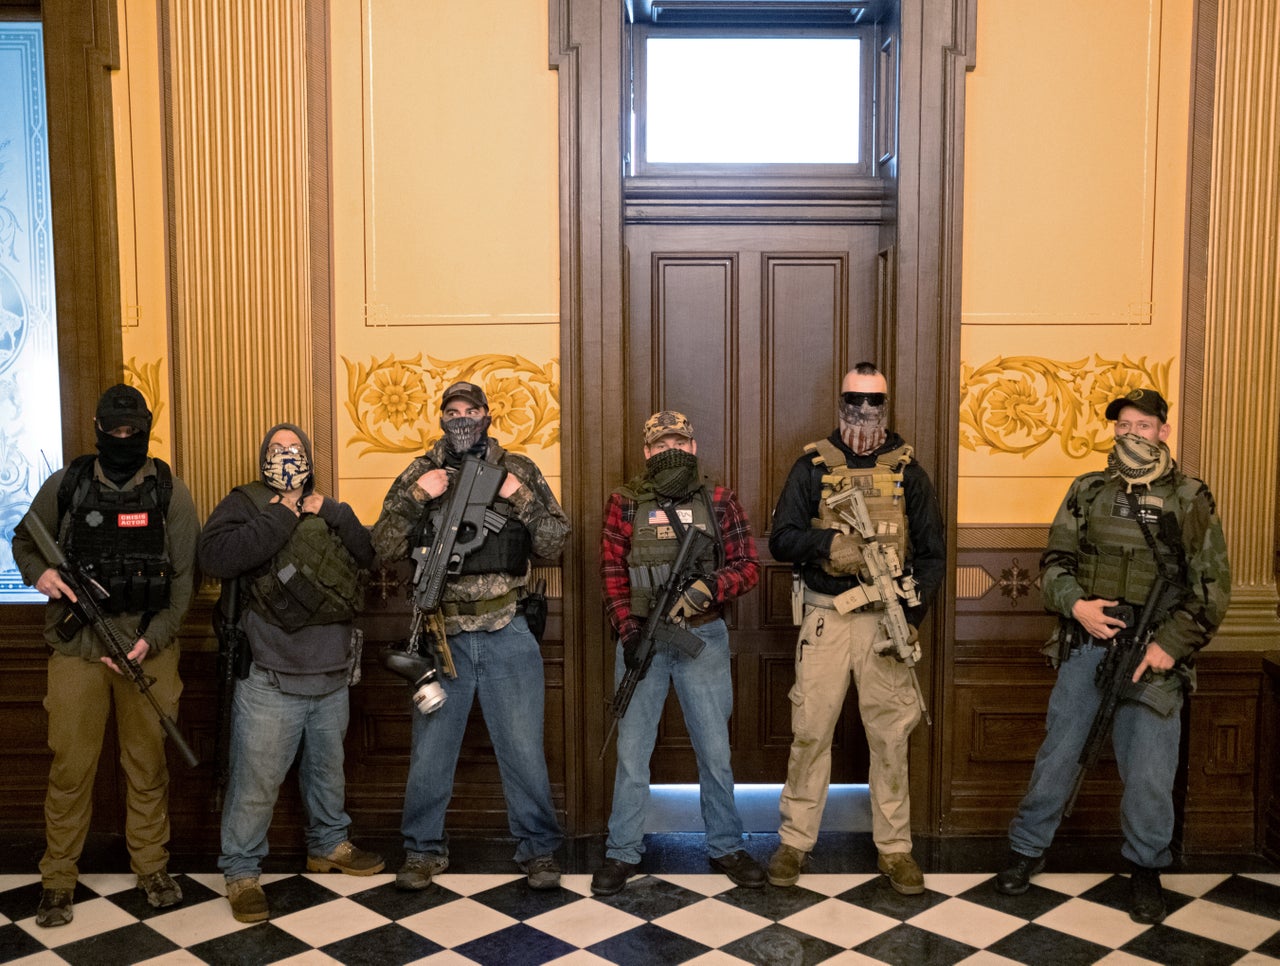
x=16 y=942
x=649 y=898
x=294 y=894
x=518 y=945
x=779 y=944
x=878 y=896
x=905 y=944
x=1032 y=904
x=387 y=900
x=129 y=944
x=258 y=946
x=772 y=902
x=647 y=945
x=518 y=901
x=1114 y=893
x=1036 y=945
x=1248 y=895
x=389 y=945
x=1173 y=947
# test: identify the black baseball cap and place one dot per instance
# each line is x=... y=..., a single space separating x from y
x=123 y=405
x=1148 y=400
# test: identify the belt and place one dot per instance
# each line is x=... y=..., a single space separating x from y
x=474 y=608
x=827 y=602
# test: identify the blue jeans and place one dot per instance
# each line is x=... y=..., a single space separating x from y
x=705 y=688
x=1146 y=747
x=503 y=668
x=267 y=728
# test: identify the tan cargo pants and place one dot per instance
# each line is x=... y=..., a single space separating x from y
x=832 y=646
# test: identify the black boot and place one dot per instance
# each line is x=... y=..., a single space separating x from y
x=1146 y=899
x=1016 y=879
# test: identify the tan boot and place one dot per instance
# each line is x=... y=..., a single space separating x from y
x=784 y=867
x=346 y=858
x=248 y=901
x=904 y=875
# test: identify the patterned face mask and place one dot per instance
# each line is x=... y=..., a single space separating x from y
x=674 y=472
x=863 y=427
x=1138 y=461
x=464 y=432
x=286 y=470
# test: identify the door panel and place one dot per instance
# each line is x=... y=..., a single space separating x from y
x=746 y=329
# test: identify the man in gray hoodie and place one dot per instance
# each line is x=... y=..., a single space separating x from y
x=299 y=556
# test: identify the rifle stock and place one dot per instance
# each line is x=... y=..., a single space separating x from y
x=1117 y=670
x=659 y=628
x=88 y=592
x=466 y=521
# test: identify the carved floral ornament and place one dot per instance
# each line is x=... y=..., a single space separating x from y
x=1016 y=404
x=146 y=377
x=395 y=403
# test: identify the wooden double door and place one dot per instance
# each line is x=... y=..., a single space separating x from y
x=748 y=329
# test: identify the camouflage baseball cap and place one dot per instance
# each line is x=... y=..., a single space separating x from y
x=1148 y=400
x=468 y=391
x=667 y=423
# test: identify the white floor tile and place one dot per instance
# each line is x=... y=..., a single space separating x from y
x=839 y=922
x=1072 y=883
x=105 y=884
x=952 y=884
x=330 y=922
x=91 y=919
x=190 y=925
x=585 y=923
x=1088 y=920
x=468 y=884
x=458 y=922
x=967 y=922
x=712 y=922
x=705 y=885
x=1192 y=885
x=984 y=957
x=349 y=885
x=1234 y=927
x=828 y=884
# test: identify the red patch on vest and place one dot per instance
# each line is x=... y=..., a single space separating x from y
x=127 y=521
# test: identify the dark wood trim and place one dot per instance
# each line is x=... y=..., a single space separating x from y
x=1196 y=254
x=324 y=426
x=81 y=48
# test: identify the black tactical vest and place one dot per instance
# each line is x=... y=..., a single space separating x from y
x=118 y=536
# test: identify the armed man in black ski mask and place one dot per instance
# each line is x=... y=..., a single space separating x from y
x=133 y=525
x=496 y=657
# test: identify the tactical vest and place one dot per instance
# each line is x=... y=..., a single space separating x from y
x=1115 y=560
x=312 y=579
x=506 y=551
x=655 y=543
x=118 y=536
x=881 y=485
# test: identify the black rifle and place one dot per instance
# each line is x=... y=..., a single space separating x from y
x=1115 y=674
x=463 y=525
x=234 y=658
x=660 y=628
x=88 y=611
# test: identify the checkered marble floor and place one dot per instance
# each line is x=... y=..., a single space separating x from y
x=696 y=918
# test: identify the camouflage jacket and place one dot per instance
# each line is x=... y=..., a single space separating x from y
x=533 y=504
x=1206 y=572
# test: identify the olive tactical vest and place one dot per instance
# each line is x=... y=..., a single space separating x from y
x=313 y=579
x=881 y=486
x=1115 y=560
x=655 y=543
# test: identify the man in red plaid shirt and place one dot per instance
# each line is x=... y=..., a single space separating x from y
x=643 y=524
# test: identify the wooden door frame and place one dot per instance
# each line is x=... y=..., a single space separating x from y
x=920 y=348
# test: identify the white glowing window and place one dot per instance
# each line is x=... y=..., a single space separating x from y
x=779 y=100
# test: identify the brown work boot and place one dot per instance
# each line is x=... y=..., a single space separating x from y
x=248 y=901
x=346 y=858
x=904 y=875
x=785 y=865
x=161 y=891
x=55 y=907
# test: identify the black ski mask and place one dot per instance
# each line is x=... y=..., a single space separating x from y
x=120 y=458
x=674 y=473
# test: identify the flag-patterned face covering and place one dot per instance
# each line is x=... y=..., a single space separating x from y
x=862 y=424
x=1138 y=461
x=286 y=468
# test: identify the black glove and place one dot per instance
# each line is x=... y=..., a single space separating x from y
x=629 y=637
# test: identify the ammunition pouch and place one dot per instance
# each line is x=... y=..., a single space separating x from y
x=534 y=607
x=313 y=580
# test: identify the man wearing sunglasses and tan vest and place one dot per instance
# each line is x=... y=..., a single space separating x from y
x=859 y=486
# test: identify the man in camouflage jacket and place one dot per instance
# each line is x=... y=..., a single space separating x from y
x=1116 y=532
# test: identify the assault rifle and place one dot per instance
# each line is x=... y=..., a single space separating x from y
x=889 y=581
x=466 y=520
x=659 y=628
x=234 y=658
x=1115 y=674
x=86 y=607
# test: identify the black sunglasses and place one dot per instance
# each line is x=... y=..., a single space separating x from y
x=859 y=398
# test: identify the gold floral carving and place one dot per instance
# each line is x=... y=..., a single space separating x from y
x=1016 y=404
x=394 y=403
x=145 y=377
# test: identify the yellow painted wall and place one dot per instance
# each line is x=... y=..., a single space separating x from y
x=140 y=206
x=446 y=245
x=1076 y=139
